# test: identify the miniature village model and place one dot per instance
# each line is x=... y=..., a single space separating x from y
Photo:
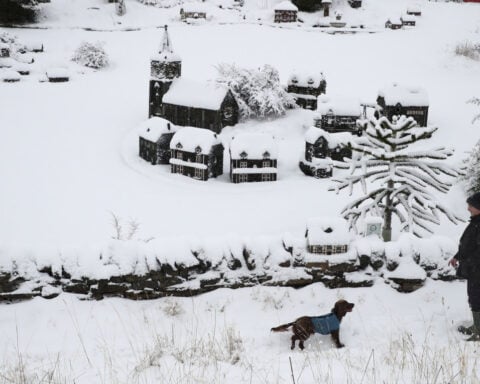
x=306 y=89
x=154 y=140
x=285 y=12
x=396 y=100
x=338 y=115
x=197 y=153
x=186 y=102
x=253 y=157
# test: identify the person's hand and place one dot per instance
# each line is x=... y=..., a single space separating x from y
x=453 y=262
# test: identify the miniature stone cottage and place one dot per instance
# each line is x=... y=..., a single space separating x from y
x=328 y=236
x=393 y=23
x=322 y=148
x=355 y=3
x=415 y=10
x=194 y=10
x=341 y=115
x=408 y=20
x=306 y=89
x=396 y=100
x=253 y=157
x=184 y=102
x=285 y=12
x=4 y=50
x=154 y=140
x=197 y=153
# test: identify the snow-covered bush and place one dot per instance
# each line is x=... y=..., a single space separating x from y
x=120 y=8
x=468 y=49
x=472 y=172
x=162 y=3
x=91 y=55
x=258 y=91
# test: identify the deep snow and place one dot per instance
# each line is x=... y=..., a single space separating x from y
x=68 y=160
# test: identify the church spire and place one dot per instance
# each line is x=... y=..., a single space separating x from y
x=166 y=43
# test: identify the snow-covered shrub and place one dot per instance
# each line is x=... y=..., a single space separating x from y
x=472 y=172
x=120 y=8
x=161 y=3
x=258 y=91
x=91 y=55
x=468 y=49
x=172 y=308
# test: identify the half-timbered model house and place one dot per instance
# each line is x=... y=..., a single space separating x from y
x=185 y=102
x=339 y=115
x=154 y=140
x=322 y=149
x=396 y=100
x=285 y=12
x=306 y=89
x=415 y=10
x=393 y=23
x=196 y=153
x=193 y=10
x=408 y=20
x=328 y=236
x=253 y=157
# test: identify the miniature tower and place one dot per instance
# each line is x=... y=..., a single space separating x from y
x=165 y=66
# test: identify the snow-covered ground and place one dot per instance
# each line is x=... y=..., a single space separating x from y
x=68 y=160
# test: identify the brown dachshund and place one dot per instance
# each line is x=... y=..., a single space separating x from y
x=306 y=326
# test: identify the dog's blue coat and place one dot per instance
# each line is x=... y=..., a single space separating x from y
x=325 y=324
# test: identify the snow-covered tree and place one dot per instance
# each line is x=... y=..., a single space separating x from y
x=472 y=172
x=400 y=174
x=475 y=101
x=258 y=91
x=120 y=8
x=91 y=55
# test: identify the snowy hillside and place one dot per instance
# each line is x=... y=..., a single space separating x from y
x=69 y=163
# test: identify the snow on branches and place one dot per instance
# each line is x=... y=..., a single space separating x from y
x=400 y=173
x=91 y=55
x=258 y=91
x=472 y=172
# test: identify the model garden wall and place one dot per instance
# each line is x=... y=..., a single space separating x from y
x=186 y=267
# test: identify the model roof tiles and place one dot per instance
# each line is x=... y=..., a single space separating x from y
x=404 y=95
x=254 y=146
x=193 y=140
x=333 y=139
x=340 y=107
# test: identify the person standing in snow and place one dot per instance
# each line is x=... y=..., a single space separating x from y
x=467 y=260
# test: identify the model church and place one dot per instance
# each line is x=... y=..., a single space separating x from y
x=185 y=102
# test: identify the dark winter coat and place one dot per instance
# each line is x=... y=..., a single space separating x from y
x=468 y=253
x=326 y=324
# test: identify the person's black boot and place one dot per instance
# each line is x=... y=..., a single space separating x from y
x=475 y=327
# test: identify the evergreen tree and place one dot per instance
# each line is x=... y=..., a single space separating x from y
x=13 y=12
x=400 y=173
x=475 y=101
x=120 y=8
x=307 y=5
x=472 y=173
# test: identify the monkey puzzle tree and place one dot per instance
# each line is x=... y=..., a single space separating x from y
x=400 y=174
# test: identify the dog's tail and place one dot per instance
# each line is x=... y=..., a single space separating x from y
x=282 y=328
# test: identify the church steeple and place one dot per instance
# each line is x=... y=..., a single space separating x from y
x=165 y=66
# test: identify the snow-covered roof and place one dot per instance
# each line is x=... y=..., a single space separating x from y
x=57 y=73
x=4 y=46
x=10 y=75
x=333 y=139
x=190 y=93
x=194 y=7
x=414 y=8
x=340 y=107
x=326 y=1
x=407 y=17
x=395 y=20
x=306 y=80
x=285 y=6
x=195 y=139
x=154 y=128
x=405 y=95
x=165 y=52
x=328 y=231
x=255 y=145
